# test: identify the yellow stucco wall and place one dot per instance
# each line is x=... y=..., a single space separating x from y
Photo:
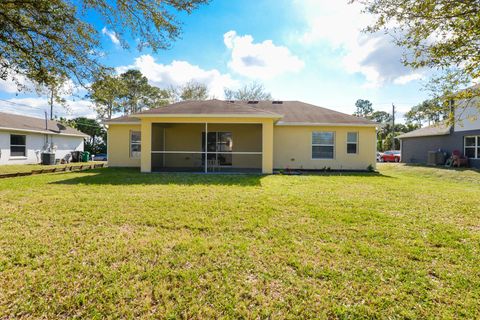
x=267 y=147
x=118 y=146
x=293 y=148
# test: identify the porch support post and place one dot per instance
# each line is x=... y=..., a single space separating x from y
x=146 y=153
x=206 y=147
x=164 y=147
x=267 y=146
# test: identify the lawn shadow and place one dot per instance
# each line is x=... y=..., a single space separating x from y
x=363 y=174
x=133 y=176
x=442 y=167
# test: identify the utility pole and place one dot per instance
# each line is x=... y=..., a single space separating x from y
x=46 y=127
x=51 y=103
x=393 y=126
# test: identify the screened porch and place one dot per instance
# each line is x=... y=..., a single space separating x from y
x=206 y=147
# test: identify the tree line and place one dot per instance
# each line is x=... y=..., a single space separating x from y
x=130 y=93
x=385 y=132
x=427 y=113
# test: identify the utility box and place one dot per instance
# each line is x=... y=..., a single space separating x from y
x=435 y=158
x=48 y=158
x=76 y=156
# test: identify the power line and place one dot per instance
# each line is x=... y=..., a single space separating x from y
x=22 y=105
x=25 y=105
x=42 y=109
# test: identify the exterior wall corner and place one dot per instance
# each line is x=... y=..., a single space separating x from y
x=267 y=147
x=146 y=158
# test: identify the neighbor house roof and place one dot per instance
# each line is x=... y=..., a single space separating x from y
x=15 y=122
x=287 y=112
x=435 y=130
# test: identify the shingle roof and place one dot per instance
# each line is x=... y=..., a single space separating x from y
x=123 y=119
x=209 y=107
x=435 y=130
x=24 y=123
x=289 y=112
x=301 y=112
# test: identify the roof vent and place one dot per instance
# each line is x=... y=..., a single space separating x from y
x=252 y=102
x=277 y=102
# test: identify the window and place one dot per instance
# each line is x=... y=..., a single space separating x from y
x=352 y=142
x=18 y=145
x=323 y=145
x=472 y=147
x=219 y=146
x=135 y=144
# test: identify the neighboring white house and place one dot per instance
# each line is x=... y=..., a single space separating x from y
x=23 y=139
x=467 y=115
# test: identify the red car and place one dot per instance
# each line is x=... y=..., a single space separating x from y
x=391 y=156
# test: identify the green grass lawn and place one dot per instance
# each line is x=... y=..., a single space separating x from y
x=13 y=168
x=114 y=243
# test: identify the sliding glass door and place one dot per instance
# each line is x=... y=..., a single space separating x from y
x=219 y=147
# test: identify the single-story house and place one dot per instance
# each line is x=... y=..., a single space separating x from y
x=463 y=135
x=233 y=136
x=23 y=139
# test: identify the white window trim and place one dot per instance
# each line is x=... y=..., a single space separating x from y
x=356 y=143
x=18 y=145
x=475 y=147
x=134 y=143
x=322 y=145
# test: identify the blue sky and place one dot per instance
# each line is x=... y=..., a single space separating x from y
x=308 y=50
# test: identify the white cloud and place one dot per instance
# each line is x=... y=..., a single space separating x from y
x=36 y=107
x=178 y=73
x=8 y=86
x=11 y=84
x=29 y=101
x=112 y=35
x=19 y=84
x=340 y=25
x=262 y=60
x=407 y=78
